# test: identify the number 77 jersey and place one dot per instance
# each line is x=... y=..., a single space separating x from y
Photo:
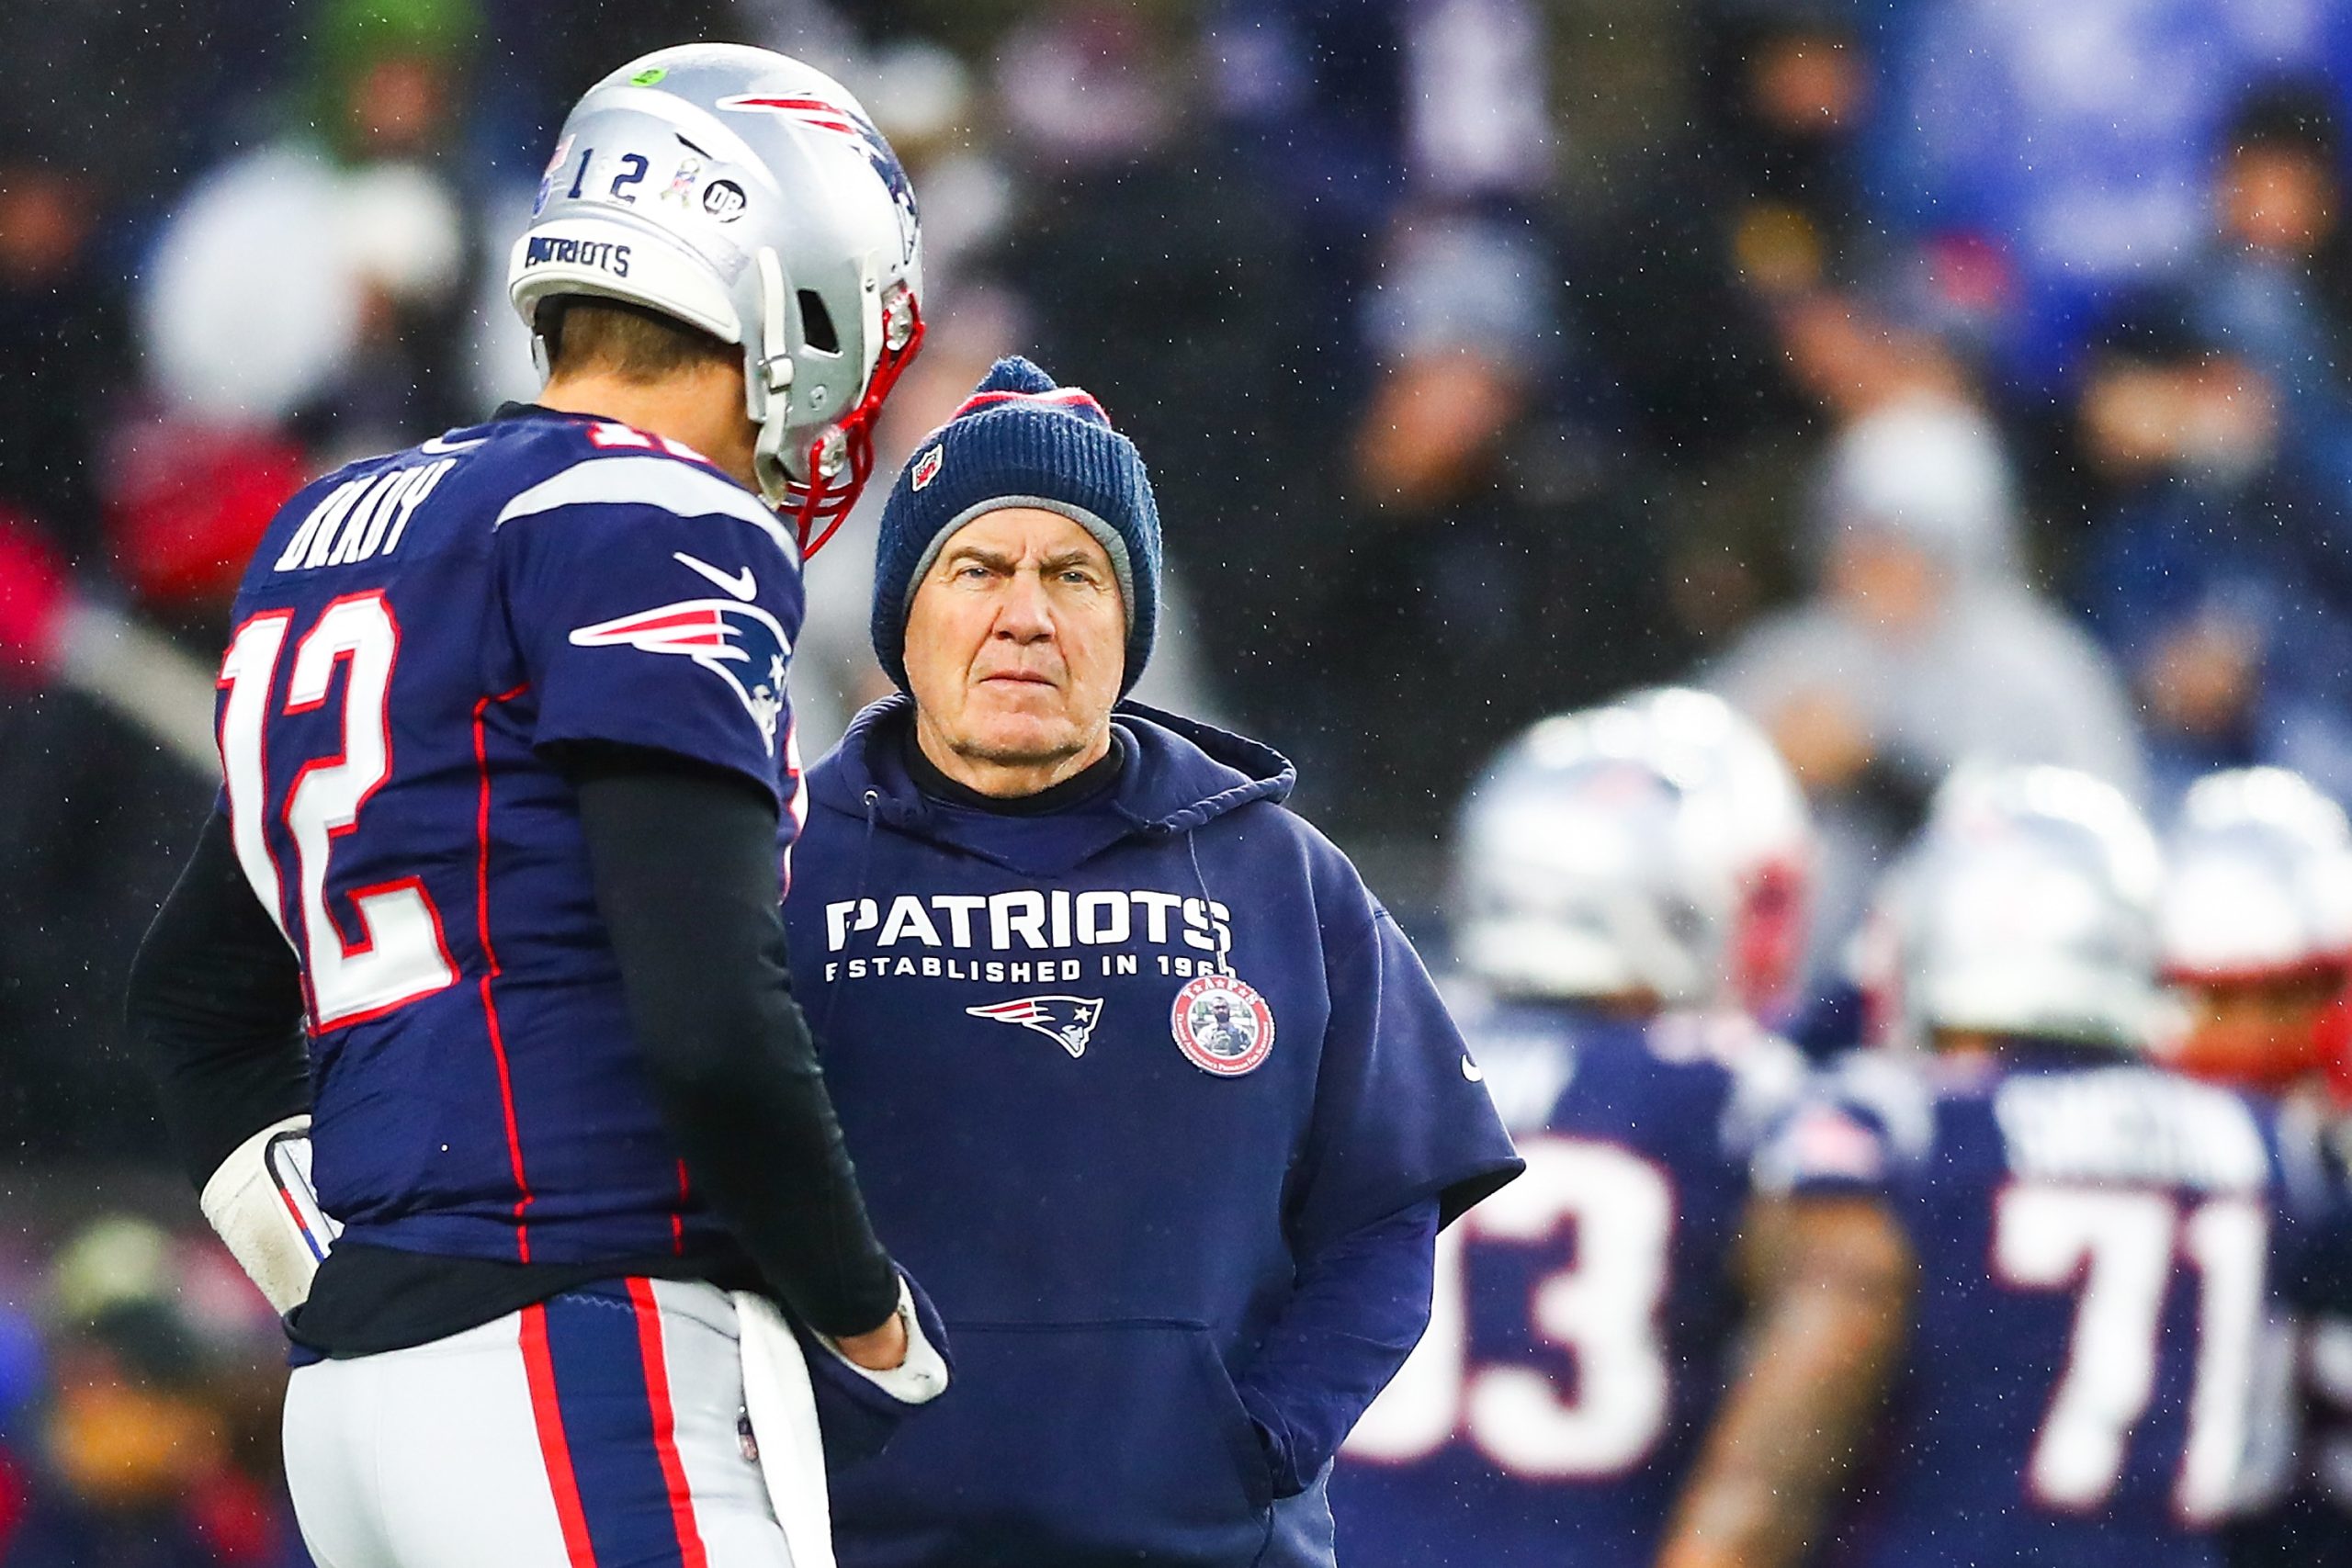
x=1581 y=1316
x=420 y=642
x=2097 y=1247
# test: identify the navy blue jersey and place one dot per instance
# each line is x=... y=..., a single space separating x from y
x=2094 y=1246
x=2326 y=1363
x=2300 y=1492
x=1113 y=1073
x=2316 y=1517
x=1577 y=1345
x=416 y=639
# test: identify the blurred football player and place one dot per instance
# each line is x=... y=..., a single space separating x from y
x=1631 y=881
x=2254 y=932
x=2058 y=1253
x=509 y=783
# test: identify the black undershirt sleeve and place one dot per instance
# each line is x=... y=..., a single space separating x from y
x=215 y=1004
x=683 y=858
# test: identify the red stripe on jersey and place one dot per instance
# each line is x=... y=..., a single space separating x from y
x=490 y=971
x=538 y=1368
x=665 y=1436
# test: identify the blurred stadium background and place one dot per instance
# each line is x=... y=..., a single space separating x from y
x=1936 y=378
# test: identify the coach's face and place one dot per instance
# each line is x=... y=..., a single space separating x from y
x=1016 y=644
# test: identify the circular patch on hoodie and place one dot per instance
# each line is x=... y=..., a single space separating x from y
x=1223 y=1025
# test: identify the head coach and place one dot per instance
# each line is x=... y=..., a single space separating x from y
x=1137 y=1071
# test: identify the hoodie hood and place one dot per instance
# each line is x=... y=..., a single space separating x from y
x=1176 y=774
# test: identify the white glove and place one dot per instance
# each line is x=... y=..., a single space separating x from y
x=920 y=1378
x=260 y=1202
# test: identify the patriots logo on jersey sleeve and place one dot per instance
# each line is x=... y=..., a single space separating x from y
x=742 y=644
x=1067 y=1022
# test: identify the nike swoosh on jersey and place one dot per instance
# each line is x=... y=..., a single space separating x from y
x=1472 y=1071
x=741 y=584
x=438 y=447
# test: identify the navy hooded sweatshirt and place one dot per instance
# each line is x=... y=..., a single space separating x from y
x=1116 y=1077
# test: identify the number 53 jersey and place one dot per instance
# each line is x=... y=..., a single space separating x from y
x=2098 y=1249
x=418 y=640
x=1578 y=1338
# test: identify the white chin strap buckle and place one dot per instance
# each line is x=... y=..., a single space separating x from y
x=831 y=454
x=898 y=317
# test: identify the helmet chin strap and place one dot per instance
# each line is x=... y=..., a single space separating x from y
x=767 y=383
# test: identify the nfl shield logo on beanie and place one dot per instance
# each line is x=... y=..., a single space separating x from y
x=1020 y=440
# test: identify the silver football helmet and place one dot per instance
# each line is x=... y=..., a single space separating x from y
x=2027 y=908
x=1656 y=844
x=2260 y=882
x=749 y=195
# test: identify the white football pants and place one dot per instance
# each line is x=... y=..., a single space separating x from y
x=599 y=1429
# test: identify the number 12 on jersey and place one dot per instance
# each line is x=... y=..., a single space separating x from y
x=401 y=954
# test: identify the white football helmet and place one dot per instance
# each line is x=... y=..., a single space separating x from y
x=2026 y=908
x=1656 y=844
x=749 y=195
x=2260 y=883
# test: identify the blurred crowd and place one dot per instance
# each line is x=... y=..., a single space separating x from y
x=139 y=1379
x=1937 y=379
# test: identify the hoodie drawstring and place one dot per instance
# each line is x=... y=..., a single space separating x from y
x=873 y=804
x=1208 y=905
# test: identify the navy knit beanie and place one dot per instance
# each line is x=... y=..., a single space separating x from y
x=1019 y=440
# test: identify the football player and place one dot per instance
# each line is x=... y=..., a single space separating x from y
x=485 y=930
x=2256 y=935
x=2255 y=931
x=2059 y=1253
x=1631 y=883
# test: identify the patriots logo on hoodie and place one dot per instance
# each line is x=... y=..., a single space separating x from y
x=742 y=644
x=1067 y=1022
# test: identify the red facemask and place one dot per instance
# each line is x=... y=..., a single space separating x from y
x=2248 y=1055
x=1768 y=942
x=2332 y=1044
x=838 y=477
x=2274 y=1055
